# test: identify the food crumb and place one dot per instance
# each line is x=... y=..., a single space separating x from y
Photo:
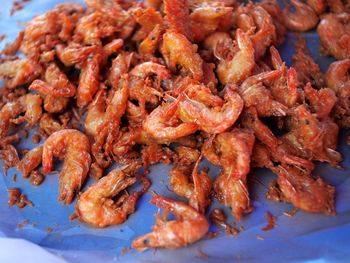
x=271 y=221
x=17 y=5
x=211 y=235
x=73 y=216
x=125 y=250
x=2 y=37
x=17 y=198
x=23 y=224
x=25 y=133
x=49 y=230
x=291 y=212
x=218 y=217
x=14 y=178
x=36 y=138
x=201 y=254
x=259 y=238
x=36 y=178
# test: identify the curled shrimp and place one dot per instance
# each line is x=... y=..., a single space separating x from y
x=255 y=93
x=338 y=78
x=303 y=19
x=49 y=125
x=19 y=72
x=334 y=32
x=74 y=147
x=96 y=205
x=53 y=104
x=74 y=54
x=241 y=65
x=177 y=50
x=305 y=192
x=57 y=84
x=96 y=112
x=197 y=192
x=214 y=120
x=89 y=80
x=147 y=69
x=30 y=161
x=32 y=106
x=163 y=124
x=319 y=6
x=148 y=19
x=189 y=227
x=232 y=151
x=206 y=19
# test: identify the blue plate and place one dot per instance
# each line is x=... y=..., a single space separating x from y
x=304 y=237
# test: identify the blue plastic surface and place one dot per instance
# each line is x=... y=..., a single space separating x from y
x=304 y=237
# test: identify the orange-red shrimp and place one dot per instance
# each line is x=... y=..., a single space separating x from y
x=96 y=112
x=177 y=17
x=57 y=84
x=89 y=80
x=74 y=147
x=338 y=78
x=305 y=192
x=302 y=19
x=32 y=105
x=254 y=93
x=30 y=161
x=196 y=192
x=74 y=54
x=177 y=50
x=241 y=65
x=54 y=104
x=120 y=66
x=96 y=205
x=148 y=19
x=215 y=120
x=150 y=44
x=232 y=151
x=189 y=227
x=319 y=6
x=19 y=72
x=334 y=32
x=322 y=101
x=163 y=124
x=49 y=125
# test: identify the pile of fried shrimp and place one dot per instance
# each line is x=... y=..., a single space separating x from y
x=177 y=82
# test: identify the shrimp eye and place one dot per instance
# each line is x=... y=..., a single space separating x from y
x=146 y=242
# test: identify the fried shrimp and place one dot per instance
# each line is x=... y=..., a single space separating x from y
x=303 y=19
x=241 y=65
x=197 y=192
x=189 y=227
x=178 y=51
x=74 y=147
x=96 y=206
x=163 y=124
x=212 y=120
x=30 y=161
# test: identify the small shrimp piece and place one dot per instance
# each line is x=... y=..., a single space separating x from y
x=196 y=192
x=112 y=47
x=254 y=93
x=74 y=147
x=96 y=205
x=19 y=72
x=160 y=124
x=336 y=6
x=148 y=19
x=54 y=104
x=241 y=65
x=153 y=3
x=150 y=44
x=177 y=50
x=307 y=69
x=186 y=155
x=203 y=94
x=30 y=161
x=338 y=78
x=322 y=101
x=96 y=113
x=212 y=120
x=334 y=32
x=9 y=155
x=319 y=6
x=33 y=108
x=177 y=17
x=11 y=49
x=209 y=77
x=147 y=69
x=57 y=84
x=49 y=125
x=189 y=227
x=303 y=19
x=305 y=192
x=206 y=19
x=89 y=80
x=120 y=66
x=75 y=54
x=108 y=131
